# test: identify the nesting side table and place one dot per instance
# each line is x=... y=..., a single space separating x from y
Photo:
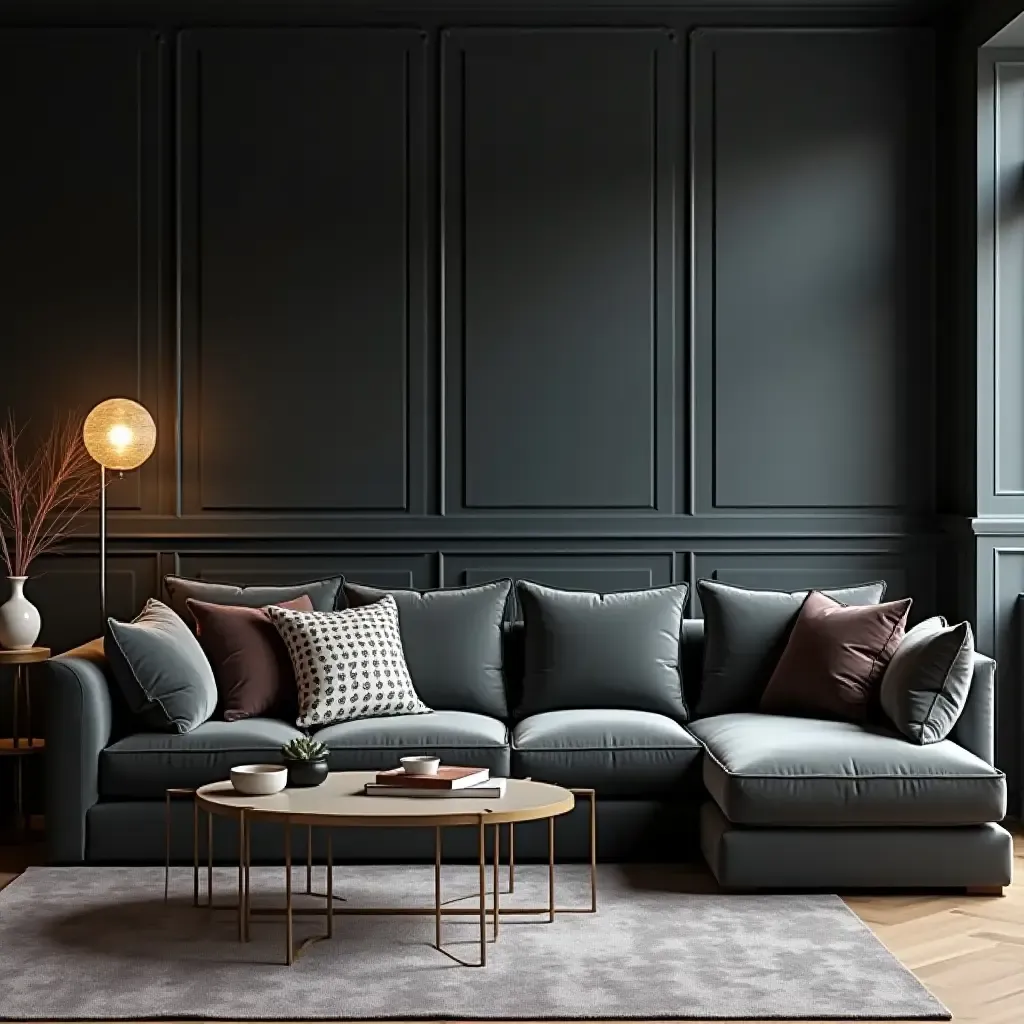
x=21 y=743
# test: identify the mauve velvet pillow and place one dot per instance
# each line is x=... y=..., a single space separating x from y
x=833 y=663
x=250 y=662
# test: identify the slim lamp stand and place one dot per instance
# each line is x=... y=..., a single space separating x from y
x=103 y=544
x=119 y=434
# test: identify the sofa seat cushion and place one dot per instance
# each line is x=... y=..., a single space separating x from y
x=616 y=753
x=457 y=737
x=145 y=764
x=774 y=770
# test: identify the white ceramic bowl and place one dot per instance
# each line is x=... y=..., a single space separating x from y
x=259 y=779
x=420 y=764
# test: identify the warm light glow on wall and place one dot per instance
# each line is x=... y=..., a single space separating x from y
x=119 y=434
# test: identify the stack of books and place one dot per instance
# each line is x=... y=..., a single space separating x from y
x=449 y=781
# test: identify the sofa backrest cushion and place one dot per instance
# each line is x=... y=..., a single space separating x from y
x=324 y=595
x=453 y=643
x=161 y=670
x=745 y=633
x=587 y=650
x=926 y=684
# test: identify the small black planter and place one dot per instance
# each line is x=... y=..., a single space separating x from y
x=307 y=773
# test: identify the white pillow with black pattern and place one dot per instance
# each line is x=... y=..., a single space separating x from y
x=348 y=664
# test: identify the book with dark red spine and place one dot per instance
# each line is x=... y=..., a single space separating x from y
x=446 y=777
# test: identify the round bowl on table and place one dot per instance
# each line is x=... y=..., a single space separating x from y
x=420 y=764
x=259 y=779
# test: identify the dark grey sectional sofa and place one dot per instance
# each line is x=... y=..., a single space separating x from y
x=770 y=801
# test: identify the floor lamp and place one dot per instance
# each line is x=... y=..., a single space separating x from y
x=119 y=434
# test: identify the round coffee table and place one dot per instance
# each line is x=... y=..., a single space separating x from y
x=341 y=803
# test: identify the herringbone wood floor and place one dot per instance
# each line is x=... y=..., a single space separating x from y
x=969 y=950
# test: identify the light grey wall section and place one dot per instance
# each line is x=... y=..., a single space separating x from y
x=999 y=579
x=987 y=533
x=1000 y=304
x=999 y=525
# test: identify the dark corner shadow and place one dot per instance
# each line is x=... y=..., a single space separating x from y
x=668 y=878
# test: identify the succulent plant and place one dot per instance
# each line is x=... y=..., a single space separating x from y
x=304 y=749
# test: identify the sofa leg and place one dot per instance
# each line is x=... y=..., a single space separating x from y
x=984 y=890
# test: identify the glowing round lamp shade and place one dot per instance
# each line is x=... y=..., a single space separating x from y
x=119 y=434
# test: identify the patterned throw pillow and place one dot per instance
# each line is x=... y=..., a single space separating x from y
x=348 y=664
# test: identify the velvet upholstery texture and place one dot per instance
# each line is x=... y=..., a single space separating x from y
x=925 y=687
x=629 y=754
x=586 y=650
x=904 y=857
x=457 y=737
x=452 y=640
x=250 y=662
x=325 y=594
x=745 y=633
x=777 y=770
x=162 y=671
x=835 y=658
x=140 y=766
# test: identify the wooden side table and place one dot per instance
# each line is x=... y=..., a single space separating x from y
x=17 y=745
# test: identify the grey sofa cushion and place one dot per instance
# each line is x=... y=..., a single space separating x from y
x=160 y=668
x=585 y=650
x=452 y=641
x=774 y=770
x=926 y=683
x=144 y=765
x=457 y=737
x=616 y=753
x=324 y=594
x=745 y=633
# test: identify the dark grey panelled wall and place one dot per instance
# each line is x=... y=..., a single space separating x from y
x=606 y=298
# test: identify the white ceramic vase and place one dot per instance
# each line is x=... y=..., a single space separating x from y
x=19 y=618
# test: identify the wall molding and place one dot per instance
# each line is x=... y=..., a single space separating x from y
x=665 y=304
x=706 y=45
x=411 y=45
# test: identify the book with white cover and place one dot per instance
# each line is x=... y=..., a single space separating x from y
x=490 y=790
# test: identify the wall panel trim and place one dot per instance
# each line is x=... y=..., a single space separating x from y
x=665 y=279
x=702 y=351
x=417 y=426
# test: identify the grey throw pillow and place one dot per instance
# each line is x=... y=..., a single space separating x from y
x=452 y=641
x=618 y=651
x=745 y=633
x=926 y=684
x=323 y=594
x=160 y=668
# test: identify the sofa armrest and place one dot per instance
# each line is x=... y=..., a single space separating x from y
x=79 y=721
x=975 y=729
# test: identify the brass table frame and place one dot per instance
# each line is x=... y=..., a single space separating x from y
x=246 y=912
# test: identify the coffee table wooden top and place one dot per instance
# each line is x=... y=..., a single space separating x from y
x=341 y=801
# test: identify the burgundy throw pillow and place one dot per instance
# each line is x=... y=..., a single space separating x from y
x=250 y=661
x=833 y=664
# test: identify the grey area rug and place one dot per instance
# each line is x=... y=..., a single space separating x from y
x=99 y=943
